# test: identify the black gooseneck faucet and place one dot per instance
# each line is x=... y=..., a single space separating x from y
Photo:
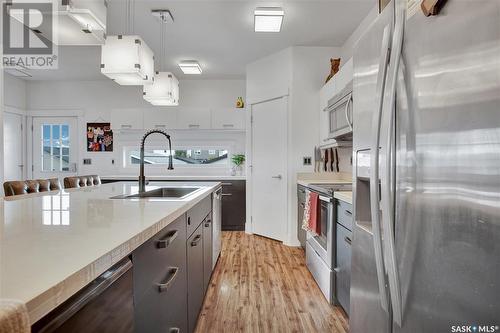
x=142 y=179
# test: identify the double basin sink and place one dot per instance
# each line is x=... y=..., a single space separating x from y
x=162 y=192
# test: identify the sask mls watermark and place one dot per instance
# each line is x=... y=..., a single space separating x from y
x=29 y=34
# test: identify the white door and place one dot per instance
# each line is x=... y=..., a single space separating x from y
x=55 y=147
x=269 y=162
x=13 y=146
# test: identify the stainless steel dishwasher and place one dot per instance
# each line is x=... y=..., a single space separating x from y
x=105 y=305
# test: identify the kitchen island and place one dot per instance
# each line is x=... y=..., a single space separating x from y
x=54 y=244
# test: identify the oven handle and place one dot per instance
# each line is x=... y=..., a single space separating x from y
x=325 y=199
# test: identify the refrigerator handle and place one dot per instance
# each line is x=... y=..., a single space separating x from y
x=387 y=189
x=374 y=170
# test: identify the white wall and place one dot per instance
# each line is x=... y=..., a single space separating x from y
x=14 y=92
x=95 y=100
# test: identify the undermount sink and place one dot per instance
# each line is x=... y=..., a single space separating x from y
x=162 y=192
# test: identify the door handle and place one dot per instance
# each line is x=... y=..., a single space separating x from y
x=196 y=240
x=163 y=243
x=347 y=240
x=226 y=194
x=387 y=194
x=277 y=177
x=172 y=275
x=374 y=169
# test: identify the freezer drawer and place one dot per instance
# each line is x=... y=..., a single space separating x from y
x=343 y=269
x=323 y=275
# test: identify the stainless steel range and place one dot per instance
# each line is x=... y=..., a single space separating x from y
x=320 y=250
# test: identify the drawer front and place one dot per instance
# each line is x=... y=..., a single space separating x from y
x=207 y=251
x=196 y=290
x=152 y=259
x=321 y=273
x=164 y=311
x=343 y=269
x=197 y=214
x=344 y=214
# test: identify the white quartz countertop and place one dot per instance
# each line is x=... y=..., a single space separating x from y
x=176 y=177
x=306 y=179
x=345 y=196
x=54 y=244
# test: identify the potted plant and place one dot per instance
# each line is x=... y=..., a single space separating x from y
x=238 y=160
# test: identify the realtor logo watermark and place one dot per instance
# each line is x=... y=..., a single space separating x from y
x=29 y=34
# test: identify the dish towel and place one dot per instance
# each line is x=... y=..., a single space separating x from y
x=310 y=221
x=13 y=317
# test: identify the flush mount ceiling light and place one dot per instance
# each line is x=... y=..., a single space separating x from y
x=190 y=67
x=268 y=19
x=127 y=59
x=165 y=89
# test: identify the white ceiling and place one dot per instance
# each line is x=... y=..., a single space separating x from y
x=219 y=34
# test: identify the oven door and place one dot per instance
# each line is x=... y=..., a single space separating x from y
x=323 y=244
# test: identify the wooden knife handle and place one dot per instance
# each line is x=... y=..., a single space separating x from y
x=432 y=7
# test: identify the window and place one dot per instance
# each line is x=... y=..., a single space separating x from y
x=56 y=209
x=186 y=157
x=55 y=147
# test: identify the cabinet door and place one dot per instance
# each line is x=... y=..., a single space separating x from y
x=123 y=119
x=196 y=290
x=229 y=118
x=343 y=269
x=207 y=251
x=193 y=118
x=326 y=93
x=233 y=205
x=160 y=118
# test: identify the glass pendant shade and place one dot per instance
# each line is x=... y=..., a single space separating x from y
x=164 y=91
x=127 y=60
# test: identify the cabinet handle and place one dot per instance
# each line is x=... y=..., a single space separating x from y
x=196 y=240
x=126 y=126
x=164 y=242
x=227 y=184
x=226 y=194
x=347 y=212
x=207 y=224
x=193 y=126
x=347 y=240
x=228 y=125
x=174 y=330
x=336 y=270
x=160 y=126
x=166 y=285
x=189 y=220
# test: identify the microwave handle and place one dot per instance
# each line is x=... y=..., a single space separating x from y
x=347 y=111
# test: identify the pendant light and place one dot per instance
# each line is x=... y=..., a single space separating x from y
x=165 y=89
x=127 y=59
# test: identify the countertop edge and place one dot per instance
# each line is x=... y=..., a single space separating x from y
x=345 y=196
x=44 y=303
x=174 y=178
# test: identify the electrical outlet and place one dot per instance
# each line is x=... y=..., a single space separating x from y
x=113 y=161
x=307 y=160
x=87 y=161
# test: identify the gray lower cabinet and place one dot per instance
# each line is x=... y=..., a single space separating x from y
x=196 y=289
x=343 y=242
x=207 y=251
x=160 y=281
x=301 y=203
x=233 y=205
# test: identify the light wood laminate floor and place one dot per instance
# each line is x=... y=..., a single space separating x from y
x=260 y=285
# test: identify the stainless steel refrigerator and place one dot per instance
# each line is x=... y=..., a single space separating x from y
x=426 y=152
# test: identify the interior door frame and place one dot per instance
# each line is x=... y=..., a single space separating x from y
x=249 y=188
x=80 y=127
x=23 y=115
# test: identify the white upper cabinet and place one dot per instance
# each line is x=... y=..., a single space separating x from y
x=228 y=118
x=193 y=118
x=160 y=118
x=126 y=119
x=327 y=92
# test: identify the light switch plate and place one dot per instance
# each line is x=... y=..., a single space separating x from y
x=87 y=161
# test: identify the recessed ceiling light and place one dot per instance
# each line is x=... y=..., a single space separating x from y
x=190 y=67
x=268 y=19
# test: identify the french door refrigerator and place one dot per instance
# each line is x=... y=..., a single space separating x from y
x=426 y=153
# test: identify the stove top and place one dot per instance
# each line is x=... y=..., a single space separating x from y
x=329 y=189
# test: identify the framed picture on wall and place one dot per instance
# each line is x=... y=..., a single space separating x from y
x=99 y=137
